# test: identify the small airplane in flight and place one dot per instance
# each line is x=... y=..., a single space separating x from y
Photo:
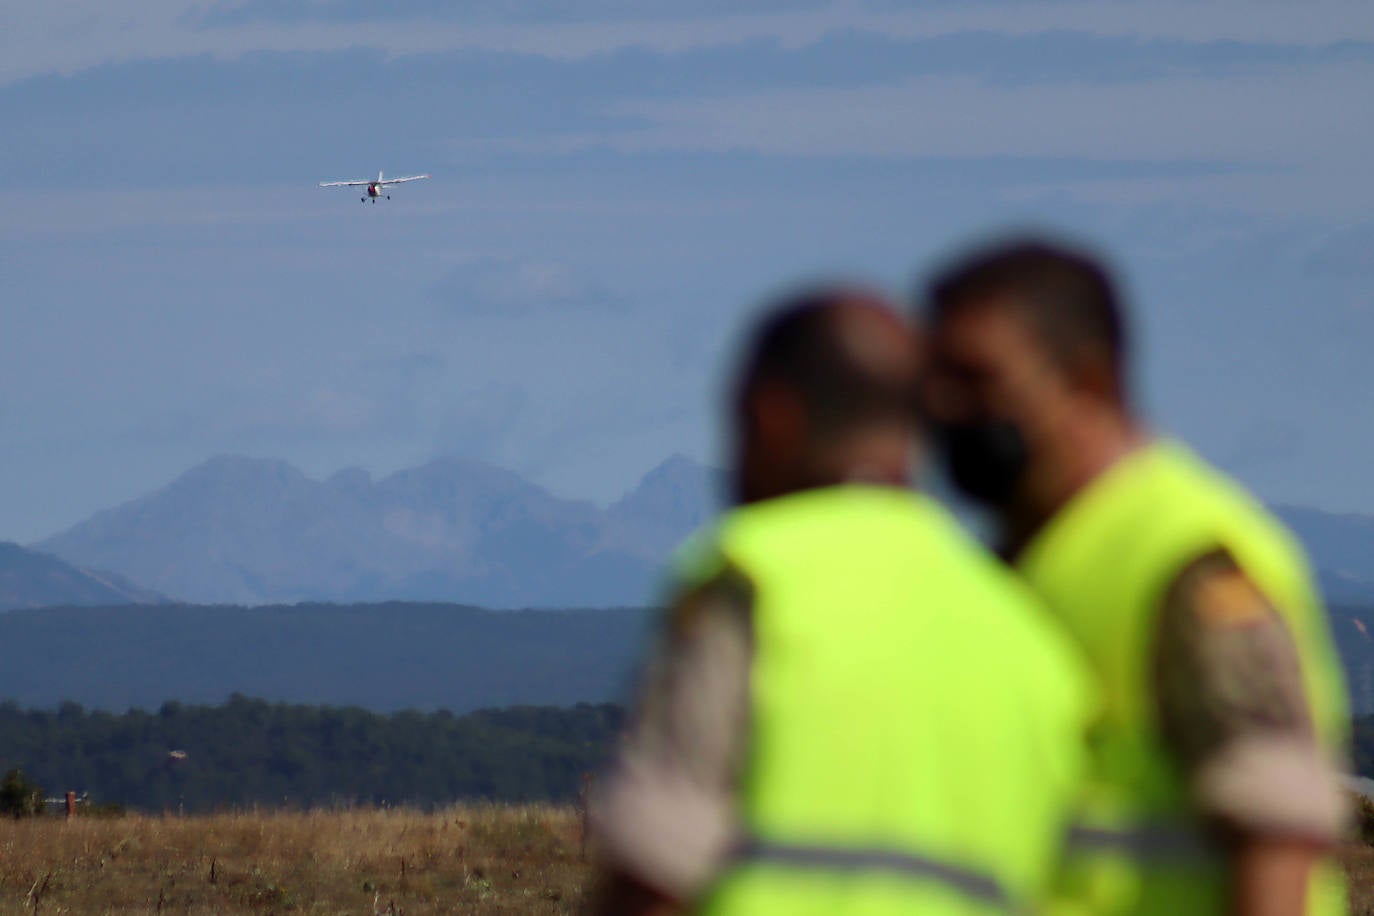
x=376 y=187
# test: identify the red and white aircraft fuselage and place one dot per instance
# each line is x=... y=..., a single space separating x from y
x=376 y=187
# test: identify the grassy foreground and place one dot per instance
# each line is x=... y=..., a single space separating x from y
x=466 y=859
x=1359 y=869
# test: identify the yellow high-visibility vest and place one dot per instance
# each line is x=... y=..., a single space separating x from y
x=916 y=721
x=1103 y=566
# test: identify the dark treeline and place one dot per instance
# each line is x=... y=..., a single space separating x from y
x=1362 y=752
x=249 y=752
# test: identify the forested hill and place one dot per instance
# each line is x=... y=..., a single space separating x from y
x=382 y=657
x=248 y=752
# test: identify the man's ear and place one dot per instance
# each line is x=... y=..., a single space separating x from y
x=777 y=415
x=1097 y=376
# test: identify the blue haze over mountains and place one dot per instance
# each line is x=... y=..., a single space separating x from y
x=30 y=579
x=614 y=185
x=238 y=530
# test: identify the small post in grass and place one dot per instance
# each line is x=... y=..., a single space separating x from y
x=583 y=806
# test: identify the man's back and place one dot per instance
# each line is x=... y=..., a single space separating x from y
x=914 y=725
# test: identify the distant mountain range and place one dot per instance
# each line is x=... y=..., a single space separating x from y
x=29 y=579
x=251 y=531
x=240 y=530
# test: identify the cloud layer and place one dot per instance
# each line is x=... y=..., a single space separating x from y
x=72 y=36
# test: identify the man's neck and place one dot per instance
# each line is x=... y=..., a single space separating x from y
x=1081 y=462
x=880 y=456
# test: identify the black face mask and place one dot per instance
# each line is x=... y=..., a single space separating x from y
x=985 y=459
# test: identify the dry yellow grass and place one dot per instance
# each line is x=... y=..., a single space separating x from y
x=467 y=859
x=1359 y=869
x=470 y=859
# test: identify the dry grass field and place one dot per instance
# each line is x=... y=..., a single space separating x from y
x=469 y=859
x=1359 y=868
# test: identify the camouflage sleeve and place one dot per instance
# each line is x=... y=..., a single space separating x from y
x=1233 y=711
x=665 y=814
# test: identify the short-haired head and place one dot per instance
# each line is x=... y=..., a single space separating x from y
x=825 y=367
x=1026 y=382
x=1065 y=294
x=843 y=350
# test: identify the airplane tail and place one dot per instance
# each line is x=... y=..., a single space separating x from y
x=379 y=174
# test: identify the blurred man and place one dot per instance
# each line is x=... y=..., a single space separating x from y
x=1224 y=706
x=853 y=709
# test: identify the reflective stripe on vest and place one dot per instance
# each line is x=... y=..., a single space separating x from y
x=978 y=885
x=1149 y=842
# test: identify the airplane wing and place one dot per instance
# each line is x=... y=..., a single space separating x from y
x=344 y=184
x=399 y=180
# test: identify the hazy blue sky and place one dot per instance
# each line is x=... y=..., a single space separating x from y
x=616 y=184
